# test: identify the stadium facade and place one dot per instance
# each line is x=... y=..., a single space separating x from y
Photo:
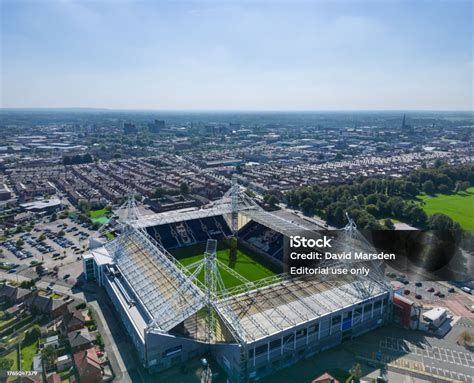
x=252 y=329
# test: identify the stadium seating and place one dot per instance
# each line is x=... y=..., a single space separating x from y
x=187 y=233
x=263 y=238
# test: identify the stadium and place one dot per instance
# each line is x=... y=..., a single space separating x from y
x=212 y=281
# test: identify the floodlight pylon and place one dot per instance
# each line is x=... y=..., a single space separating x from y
x=210 y=272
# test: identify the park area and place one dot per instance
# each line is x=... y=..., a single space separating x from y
x=244 y=264
x=459 y=206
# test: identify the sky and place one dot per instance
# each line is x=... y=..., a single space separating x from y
x=245 y=55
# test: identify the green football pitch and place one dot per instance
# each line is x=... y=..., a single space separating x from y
x=244 y=264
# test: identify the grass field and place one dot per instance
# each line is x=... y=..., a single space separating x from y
x=13 y=355
x=99 y=216
x=27 y=354
x=460 y=207
x=244 y=265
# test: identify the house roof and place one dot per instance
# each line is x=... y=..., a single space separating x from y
x=79 y=338
x=86 y=359
x=54 y=378
x=73 y=319
x=45 y=304
x=12 y=292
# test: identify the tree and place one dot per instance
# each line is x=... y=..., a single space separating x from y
x=184 y=188
x=20 y=242
x=428 y=187
x=442 y=222
x=27 y=284
x=62 y=233
x=42 y=237
x=372 y=210
x=389 y=224
x=466 y=339
x=307 y=206
x=84 y=205
x=417 y=216
x=39 y=269
x=443 y=189
x=159 y=192
x=463 y=186
x=5 y=364
x=272 y=201
x=49 y=355
x=33 y=335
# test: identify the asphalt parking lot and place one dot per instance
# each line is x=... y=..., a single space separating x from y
x=440 y=356
x=431 y=293
x=54 y=250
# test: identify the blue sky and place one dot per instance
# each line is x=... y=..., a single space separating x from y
x=247 y=55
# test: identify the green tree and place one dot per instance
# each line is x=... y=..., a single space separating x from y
x=389 y=224
x=307 y=206
x=39 y=269
x=33 y=334
x=5 y=364
x=272 y=201
x=428 y=187
x=444 y=189
x=49 y=355
x=20 y=242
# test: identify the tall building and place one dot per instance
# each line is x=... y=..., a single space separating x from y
x=129 y=128
x=405 y=126
x=157 y=126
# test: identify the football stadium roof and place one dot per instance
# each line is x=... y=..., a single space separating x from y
x=155 y=280
x=275 y=308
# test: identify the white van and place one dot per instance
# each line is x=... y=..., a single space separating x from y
x=466 y=289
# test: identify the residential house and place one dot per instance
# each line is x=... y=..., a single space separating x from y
x=72 y=320
x=46 y=305
x=88 y=366
x=80 y=339
x=12 y=294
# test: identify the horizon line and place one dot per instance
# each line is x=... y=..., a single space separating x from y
x=184 y=110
